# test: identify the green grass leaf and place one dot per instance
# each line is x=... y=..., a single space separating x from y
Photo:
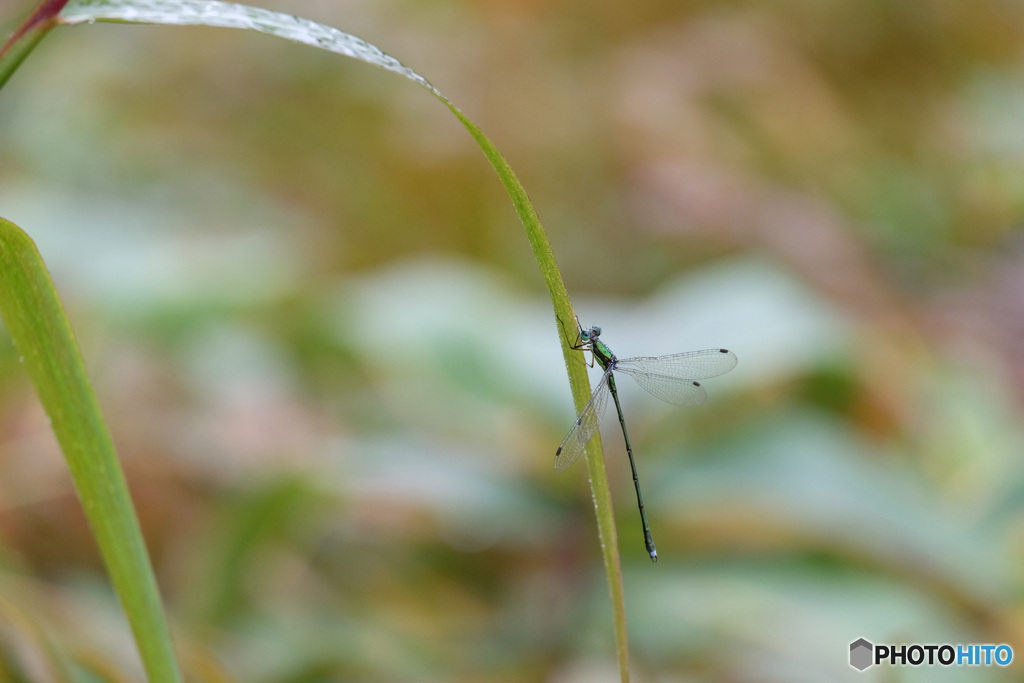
x=40 y=330
x=208 y=13
x=28 y=35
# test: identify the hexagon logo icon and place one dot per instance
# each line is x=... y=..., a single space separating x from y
x=861 y=654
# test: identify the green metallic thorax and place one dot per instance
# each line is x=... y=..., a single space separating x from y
x=602 y=353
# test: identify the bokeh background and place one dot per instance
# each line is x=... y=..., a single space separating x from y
x=333 y=376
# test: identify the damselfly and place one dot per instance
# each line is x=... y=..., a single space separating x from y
x=671 y=378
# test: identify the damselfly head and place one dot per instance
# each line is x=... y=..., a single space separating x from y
x=594 y=332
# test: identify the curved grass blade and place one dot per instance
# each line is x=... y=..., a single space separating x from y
x=212 y=13
x=39 y=328
x=28 y=35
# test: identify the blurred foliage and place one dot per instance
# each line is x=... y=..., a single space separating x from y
x=343 y=475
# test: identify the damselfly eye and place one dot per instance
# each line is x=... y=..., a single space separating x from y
x=595 y=331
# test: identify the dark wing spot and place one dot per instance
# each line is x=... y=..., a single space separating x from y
x=696 y=384
x=723 y=350
x=579 y=422
x=558 y=452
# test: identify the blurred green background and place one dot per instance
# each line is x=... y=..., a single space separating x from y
x=333 y=376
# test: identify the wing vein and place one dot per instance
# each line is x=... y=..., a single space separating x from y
x=583 y=430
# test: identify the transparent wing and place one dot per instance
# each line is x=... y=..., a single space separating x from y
x=671 y=378
x=681 y=392
x=575 y=442
x=689 y=365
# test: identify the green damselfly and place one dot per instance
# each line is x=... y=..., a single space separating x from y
x=671 y=378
